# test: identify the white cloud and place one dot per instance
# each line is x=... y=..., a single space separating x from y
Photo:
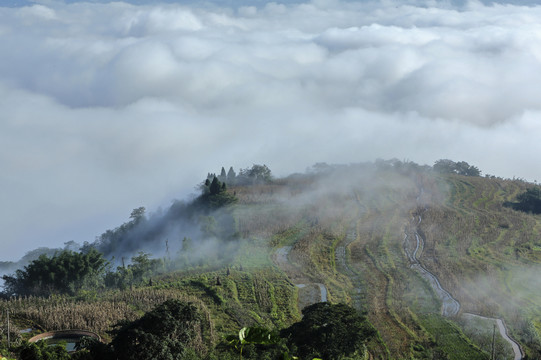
x=111 y=106
x=36 y=13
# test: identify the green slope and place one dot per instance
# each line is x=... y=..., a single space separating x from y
x=346 y=230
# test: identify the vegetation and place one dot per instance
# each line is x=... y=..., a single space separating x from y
x=251 y=336
x=214 y=194
x=329 y=331
x=447 y=166
x=257 y=252
x=529 y=201
x=170 y=331
x=140 y=271
x=67 y=272
x=41 y=351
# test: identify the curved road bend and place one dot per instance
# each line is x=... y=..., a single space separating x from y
x=503 y=332
x=450 y=306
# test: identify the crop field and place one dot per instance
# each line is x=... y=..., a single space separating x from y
x=341 y=236
x=497 y=249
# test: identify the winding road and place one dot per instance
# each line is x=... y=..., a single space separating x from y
x=450 y=306
x=503 y=332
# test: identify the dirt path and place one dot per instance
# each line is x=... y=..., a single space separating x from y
x=309 y=292
x=516 y=347
x=503 y=332
x=450 y=306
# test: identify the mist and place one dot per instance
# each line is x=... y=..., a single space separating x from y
x=199 y=230
x=109 y=106
x=191 y=230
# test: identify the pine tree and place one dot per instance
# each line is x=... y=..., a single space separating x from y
x=223 y=175
x=215 y=186
x=231 y=175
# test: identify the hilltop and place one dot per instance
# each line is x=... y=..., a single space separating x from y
x=437 y=260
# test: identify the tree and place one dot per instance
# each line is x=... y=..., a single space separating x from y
x=329 y=331
x=257 y=174
x=231 y=176
x=529 y=201
x=65 y=272
x=93 y=349
x=137 y=215
x=121 y=239
x=140 y=270
x=186 y=244
x=215 y=186
x=252 y=336
x=261 y=173
x=122 y=278
x=165 y=333
x=214 y=195
x=143 y=266
x=463 y=168
x=223 y=175
x=446 y=166
x=42 y=351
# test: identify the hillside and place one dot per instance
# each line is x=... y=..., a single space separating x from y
x=434 y=259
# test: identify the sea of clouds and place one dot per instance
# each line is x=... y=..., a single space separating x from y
x=108 y=106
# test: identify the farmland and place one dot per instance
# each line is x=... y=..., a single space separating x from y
x=341 y=234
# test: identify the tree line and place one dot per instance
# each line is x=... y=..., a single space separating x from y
x=143 y=230
x=177 y=330
x=68 y=272
x=446 y=166
x=256 y=174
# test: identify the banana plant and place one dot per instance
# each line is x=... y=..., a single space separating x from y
x=251 y=335
x=257 y=336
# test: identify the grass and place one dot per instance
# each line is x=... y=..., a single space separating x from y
x=488 y=247
x=479 y=250
x=482 y=331
x=450 y=339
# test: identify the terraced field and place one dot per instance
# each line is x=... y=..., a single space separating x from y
x=379 y=277
x=494 y=244
x=469 y=236
x=436 y=262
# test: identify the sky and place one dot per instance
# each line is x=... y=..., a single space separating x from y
x=109 y=106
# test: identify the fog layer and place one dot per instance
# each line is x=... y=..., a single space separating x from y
x=111 y=106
